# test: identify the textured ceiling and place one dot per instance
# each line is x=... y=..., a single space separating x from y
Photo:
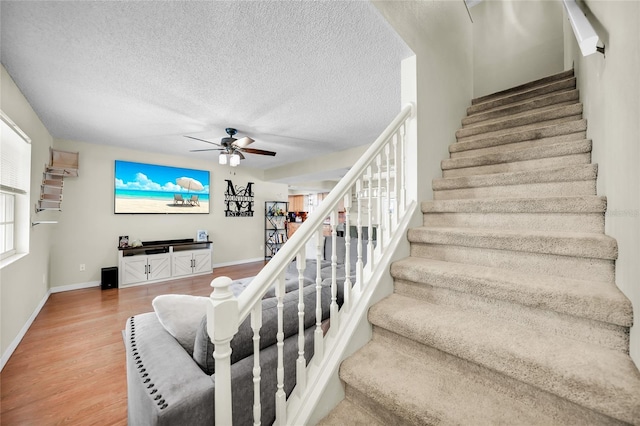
x=301 y=78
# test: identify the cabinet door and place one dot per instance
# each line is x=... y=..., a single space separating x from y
x=134 y=270
x=202 y=261
x=159 y=267
x=182 y=263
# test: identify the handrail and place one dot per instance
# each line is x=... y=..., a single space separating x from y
x=378 y=177
x=582 y=29
x=261 y=283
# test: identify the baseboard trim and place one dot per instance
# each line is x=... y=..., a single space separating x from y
x=23 y=331
x=238 y=262
x=78 y=286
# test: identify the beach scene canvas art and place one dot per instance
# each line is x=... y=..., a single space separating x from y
x=153 y=188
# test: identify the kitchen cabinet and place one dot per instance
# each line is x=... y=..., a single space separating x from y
x=297 y=203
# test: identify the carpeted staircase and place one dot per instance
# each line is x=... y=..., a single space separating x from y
x=507 y=311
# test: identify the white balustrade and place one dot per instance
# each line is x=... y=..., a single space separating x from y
x=374 y=187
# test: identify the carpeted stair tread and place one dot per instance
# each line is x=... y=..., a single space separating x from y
x=523 y=87
x=413 y=392
x=523 y=119
x=599 y=301
x=520 y=128
x=497 y=102
x=543 y=101
x=348 y=413
x=575 y=244
x=562 y=174
x=541 y=131
x=570 y=213
x=584 y=204
x=603 y=380
x=510 y=156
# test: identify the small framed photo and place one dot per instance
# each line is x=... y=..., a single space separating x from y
x=123 y=241
x=202 y=235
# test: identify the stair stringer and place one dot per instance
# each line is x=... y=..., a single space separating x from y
x=327 y=390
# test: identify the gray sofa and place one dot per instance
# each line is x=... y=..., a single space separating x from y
x=169 y=386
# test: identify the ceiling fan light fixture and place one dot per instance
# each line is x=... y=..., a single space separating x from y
x=222 y=159
x=234 y=160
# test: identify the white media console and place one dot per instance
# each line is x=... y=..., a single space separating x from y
x=158 y=261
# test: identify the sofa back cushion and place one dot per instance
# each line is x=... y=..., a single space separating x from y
x=242 y=343
x=341 y=250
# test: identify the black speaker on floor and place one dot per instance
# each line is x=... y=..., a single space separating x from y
x=109 y=277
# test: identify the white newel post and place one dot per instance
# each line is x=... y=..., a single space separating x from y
x=222 y=324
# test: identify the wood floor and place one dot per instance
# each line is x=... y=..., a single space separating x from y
x=70 y=366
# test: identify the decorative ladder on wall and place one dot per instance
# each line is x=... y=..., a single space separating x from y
x=62 y=164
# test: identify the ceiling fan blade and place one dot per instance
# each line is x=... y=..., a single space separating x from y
x=258 y=151
x=202 y=140
x=209 y=149
x=243 y=142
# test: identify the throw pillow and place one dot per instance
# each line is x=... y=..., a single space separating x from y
x=180 y=315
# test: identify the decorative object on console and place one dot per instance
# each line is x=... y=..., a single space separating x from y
x=202 y=235
x=151 y=188
x=123 y=241
x=238 y=200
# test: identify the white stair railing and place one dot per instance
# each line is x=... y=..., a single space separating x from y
x=375 y=188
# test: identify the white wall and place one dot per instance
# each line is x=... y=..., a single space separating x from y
x=24 y=283
x=610 y=91
x=515 y=42
x=439 y=33
x=88 y=229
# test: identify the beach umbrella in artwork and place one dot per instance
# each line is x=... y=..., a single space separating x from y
x=190 y=184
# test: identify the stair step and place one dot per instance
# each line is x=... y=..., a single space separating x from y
x=499 y=101
x=588 y=375
x=432 y=246
x=51 y=197
x=592 y=204
x=536 y=157
x=53 y=183
x=520 y=120
x=546 y=100
x=524 y=87
x=573 y=214
x=595 y=312
x=556 y=182
x=349 y=413
x=566 y=131
x=406 y=390
x=572 y=244
x=523 y=128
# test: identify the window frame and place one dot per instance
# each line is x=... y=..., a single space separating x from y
x=21 y=194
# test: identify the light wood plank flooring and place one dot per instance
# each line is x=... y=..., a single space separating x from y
x=70 y=366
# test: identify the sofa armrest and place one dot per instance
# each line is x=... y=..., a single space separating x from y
x=186 y=392
x=164 y=385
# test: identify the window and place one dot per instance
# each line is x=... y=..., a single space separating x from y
x=15 y=182
x=7 y=225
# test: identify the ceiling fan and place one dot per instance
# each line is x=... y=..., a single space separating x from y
x=232 y=149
